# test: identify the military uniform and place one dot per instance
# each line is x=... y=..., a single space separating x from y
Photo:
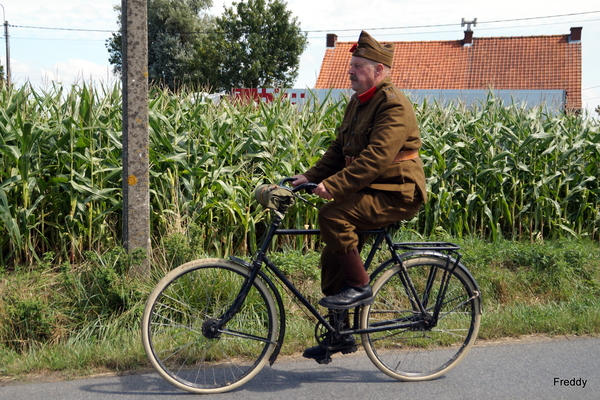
x=364 y=170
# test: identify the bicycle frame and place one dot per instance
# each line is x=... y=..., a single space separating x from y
x=381 y=235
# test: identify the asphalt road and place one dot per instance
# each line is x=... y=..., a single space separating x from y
x=523 y=369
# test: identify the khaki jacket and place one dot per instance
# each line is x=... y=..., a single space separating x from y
x=374 y=132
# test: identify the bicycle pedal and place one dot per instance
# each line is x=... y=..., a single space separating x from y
x=325 y=360
x=349 y=350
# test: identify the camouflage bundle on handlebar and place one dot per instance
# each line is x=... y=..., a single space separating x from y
x=274 y=197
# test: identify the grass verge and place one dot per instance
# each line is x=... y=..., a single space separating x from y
x=83 y=319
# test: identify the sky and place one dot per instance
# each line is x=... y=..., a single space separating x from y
x=74 y=48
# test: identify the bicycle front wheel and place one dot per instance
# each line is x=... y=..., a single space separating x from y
x=178 y=316
x=408 y=349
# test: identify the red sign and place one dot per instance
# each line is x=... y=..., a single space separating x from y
x=296 y=96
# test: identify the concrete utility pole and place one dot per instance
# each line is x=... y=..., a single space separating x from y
x=7 y=53
x=136 y=197
x=7 y=46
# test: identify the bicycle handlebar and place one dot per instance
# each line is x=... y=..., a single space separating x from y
x=308 y=186
x=286 y=180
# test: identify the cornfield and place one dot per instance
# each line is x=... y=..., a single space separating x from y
x=510 y=171
x=493 y=170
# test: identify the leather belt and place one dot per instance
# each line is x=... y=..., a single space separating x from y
x=403 y=155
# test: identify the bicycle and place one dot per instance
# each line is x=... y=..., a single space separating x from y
x=211 y=325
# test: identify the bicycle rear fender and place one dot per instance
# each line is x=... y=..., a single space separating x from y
x=428 y=253
x=279 y=300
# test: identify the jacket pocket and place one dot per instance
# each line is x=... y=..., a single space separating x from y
x=407 y=192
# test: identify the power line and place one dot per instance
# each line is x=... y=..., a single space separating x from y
x=310 y=37
x=550 y=16
x=61 y=29
x=454 y=24
x=338 y=30
x=445 y=31
x=58 y=39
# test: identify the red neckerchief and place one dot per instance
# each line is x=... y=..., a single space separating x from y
x=368 y=95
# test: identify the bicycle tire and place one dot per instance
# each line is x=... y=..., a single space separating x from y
x=180 y=306
x=419 y=353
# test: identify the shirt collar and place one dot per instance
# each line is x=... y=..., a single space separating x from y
x=368 y=95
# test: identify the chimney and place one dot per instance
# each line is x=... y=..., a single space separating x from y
x=468 y=40
x=331 y=39
x=575 y=36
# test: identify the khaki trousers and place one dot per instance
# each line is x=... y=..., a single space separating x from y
x=339 y=222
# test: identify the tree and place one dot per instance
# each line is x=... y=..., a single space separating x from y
x=176 y=29
x=255 y=44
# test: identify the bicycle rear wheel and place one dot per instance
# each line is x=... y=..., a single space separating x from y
x=419 y=353
x=179 y=313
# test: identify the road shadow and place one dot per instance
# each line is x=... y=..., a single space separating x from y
x=287 y=375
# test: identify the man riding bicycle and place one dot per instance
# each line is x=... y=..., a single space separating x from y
x=373 y=174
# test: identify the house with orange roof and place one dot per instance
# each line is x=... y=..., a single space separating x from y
x=513 y=64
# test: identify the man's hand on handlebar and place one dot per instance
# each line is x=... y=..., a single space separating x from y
x=320 y=190
x=298 y=180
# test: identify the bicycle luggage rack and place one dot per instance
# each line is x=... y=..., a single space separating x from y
x=434 y=246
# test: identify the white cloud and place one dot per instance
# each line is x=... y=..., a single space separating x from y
x=59 y=13
x=64 y=53
x=76 y=71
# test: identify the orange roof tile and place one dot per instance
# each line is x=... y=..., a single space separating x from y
x=520 y=63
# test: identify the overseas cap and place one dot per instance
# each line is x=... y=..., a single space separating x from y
x=371 y=49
